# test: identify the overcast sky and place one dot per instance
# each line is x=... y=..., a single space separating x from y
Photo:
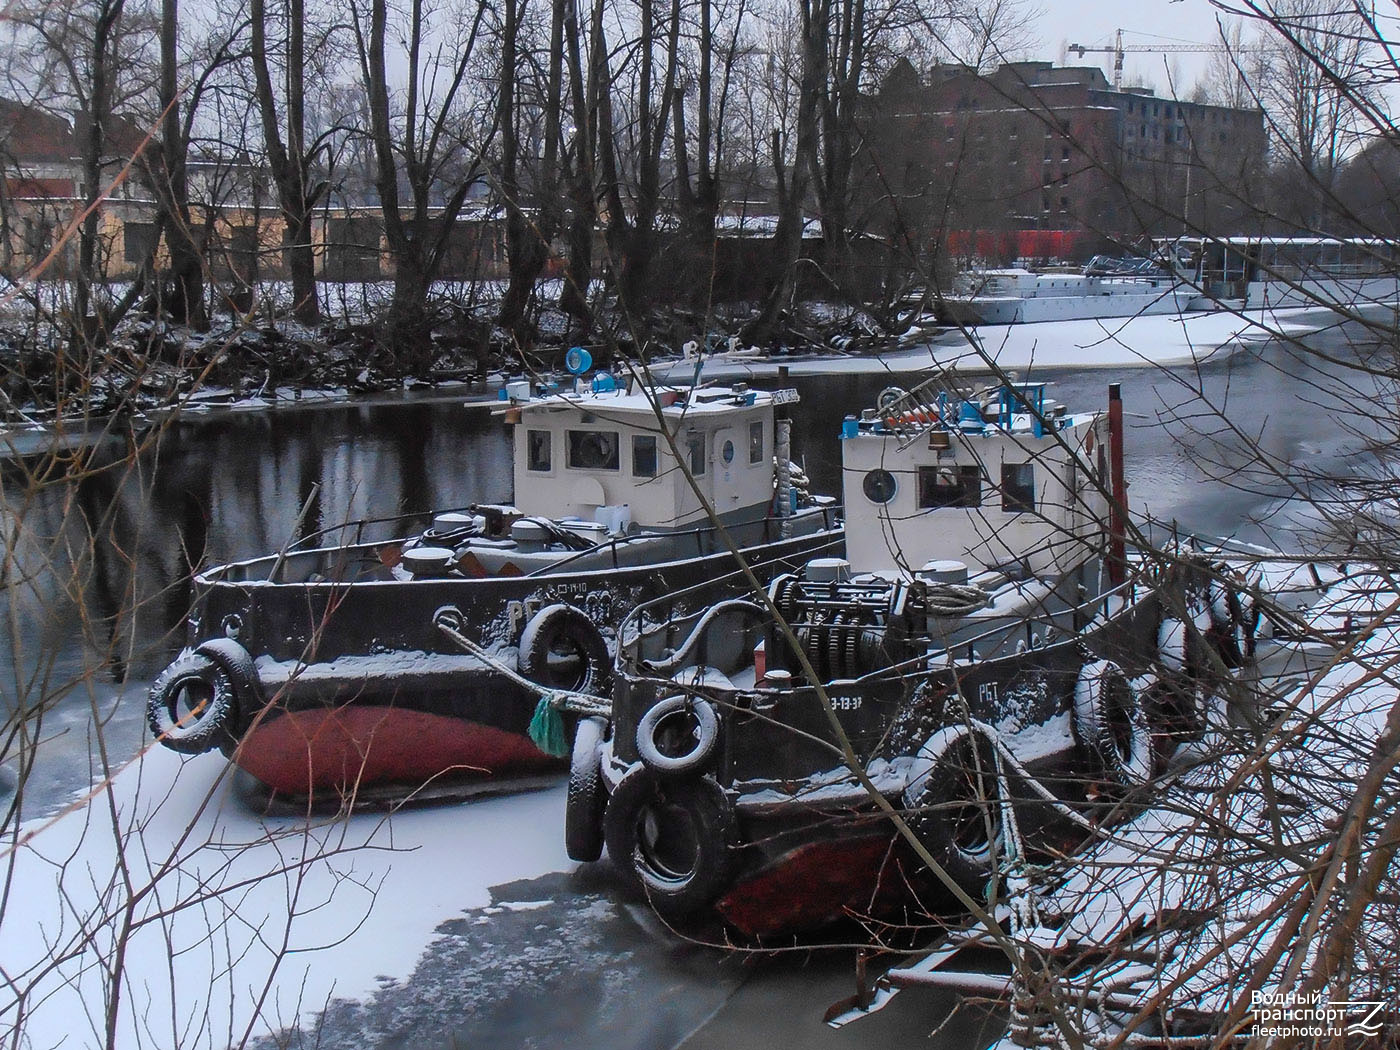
x=1144 y=22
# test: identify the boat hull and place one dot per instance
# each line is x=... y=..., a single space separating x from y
x=336 y=751
x=1140 y=300
x=810 y=843
x=354 y=686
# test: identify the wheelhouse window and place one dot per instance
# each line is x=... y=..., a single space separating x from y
x=950 y=487
x=592 y=449
x=1017 y=487
x=644 y=455
x=539 y=446
x=755 y=442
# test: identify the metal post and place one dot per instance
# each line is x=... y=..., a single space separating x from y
x=1118 y=507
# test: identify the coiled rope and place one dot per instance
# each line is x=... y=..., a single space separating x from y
x=955 y=599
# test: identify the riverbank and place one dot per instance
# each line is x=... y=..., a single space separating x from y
x=1158 y=341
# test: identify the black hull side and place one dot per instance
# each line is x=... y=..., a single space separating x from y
x=321 y=621
x=776 y=736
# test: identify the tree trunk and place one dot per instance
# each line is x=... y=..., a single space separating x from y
x=288 y=160
x=85 y=327
x=527 y=242
x=573 y=300
x=301 y=266
x=184 y=298
x=792 y=191
x=637 y=241
x=418 y=244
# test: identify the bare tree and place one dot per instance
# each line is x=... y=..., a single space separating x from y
x=291 y=157
x=529 y=232
x=425 y=140
x=183 y=84
x=1314 y=85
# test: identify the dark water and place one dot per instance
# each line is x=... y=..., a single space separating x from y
x=96 y=594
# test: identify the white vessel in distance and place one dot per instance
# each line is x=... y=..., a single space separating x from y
x=1257 y=273
x=1107 y=287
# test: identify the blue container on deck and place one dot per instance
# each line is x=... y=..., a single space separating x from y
x=850 y=427
x=970 y=418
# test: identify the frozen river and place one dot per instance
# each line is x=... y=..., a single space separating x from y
x=465 y=925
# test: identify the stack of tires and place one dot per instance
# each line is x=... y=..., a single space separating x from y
x=668 y=825
x=205 y=699
x=1217 y=633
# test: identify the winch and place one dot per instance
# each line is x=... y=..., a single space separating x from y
x=849 y=627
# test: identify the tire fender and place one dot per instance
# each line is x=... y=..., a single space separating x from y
x=642 y=810
x=1171 y=644
x=243 y=673
x=657 y=736
x=568 y=627
x=952 y=803
x=587 y=798
x=1111 y=725
x=1185 y=685
x=192 y=705
x=1227 y=632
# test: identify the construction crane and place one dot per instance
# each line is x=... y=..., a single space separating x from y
x=1118 y=49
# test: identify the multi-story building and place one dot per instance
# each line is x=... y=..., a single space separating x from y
x=1036 y=147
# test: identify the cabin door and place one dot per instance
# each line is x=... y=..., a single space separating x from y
x=725 y=456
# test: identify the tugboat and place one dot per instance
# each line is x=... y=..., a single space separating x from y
x=328 y=671
x=983 y=626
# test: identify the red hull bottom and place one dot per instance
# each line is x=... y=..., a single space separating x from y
x=342 y=750
x=861 y=876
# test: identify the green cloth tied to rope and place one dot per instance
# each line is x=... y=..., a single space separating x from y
x=547 y=728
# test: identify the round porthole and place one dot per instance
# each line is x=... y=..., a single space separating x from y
x=727 y=453
x=879 y=485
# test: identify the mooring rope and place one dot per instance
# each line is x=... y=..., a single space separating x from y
x=546 y=727
x=955 y=599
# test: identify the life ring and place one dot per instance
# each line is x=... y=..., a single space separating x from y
x=954 y=808
x=561 y=648
x=671 y=838
x=583 y=810
x=1111 y=726
x=192 y=705
x=678 y=735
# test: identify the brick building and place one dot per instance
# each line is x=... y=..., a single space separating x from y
x=1036 y=147
x=234 y=214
